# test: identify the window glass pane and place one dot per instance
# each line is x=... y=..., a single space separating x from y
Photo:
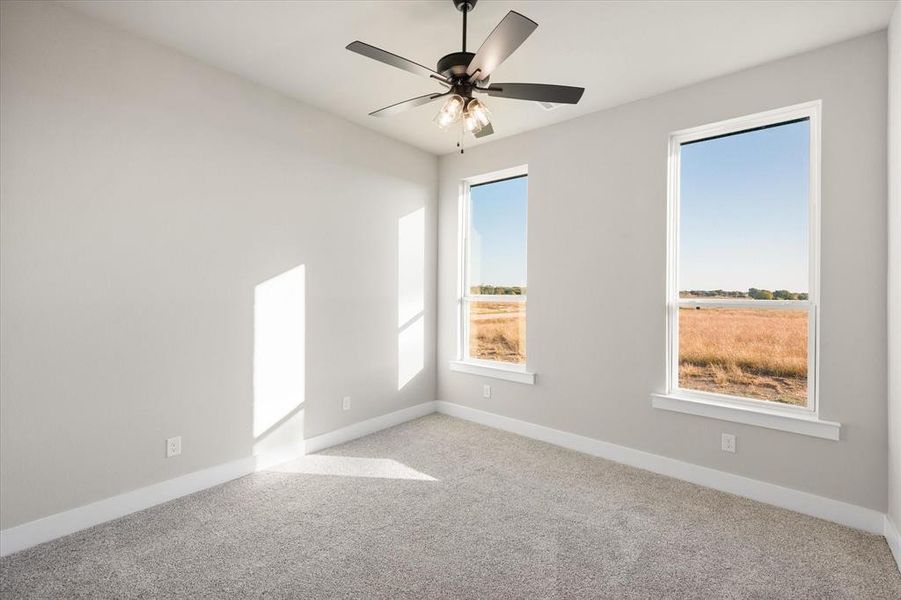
x=497 y=237
x=750 y=352
x=497 y=331
x=496 y=266
x=743 y=214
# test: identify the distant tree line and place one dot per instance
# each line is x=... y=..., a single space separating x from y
x=754 y=293
x=497 y=290
x=777 y=295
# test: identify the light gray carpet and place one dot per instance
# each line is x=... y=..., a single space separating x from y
x=457 y=511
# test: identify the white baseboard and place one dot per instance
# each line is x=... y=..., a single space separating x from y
x=809 y=504
x=893 y=537
x=57 y=525
x=358 y=430
x=60 y=524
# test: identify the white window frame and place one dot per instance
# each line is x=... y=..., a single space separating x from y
x=765 y=413
x=466 y=363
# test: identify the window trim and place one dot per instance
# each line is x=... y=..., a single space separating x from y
x=463 y=362
x=723 y=405
x=474 y=366
x=808 y=424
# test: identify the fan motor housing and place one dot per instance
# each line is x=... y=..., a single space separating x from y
x=454 y=64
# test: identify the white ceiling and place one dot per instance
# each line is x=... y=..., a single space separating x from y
x=618 y=51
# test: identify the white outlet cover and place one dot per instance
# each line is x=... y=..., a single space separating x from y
x=728 y=443
x=345 y=403
x=486 y=391
x=173 y=446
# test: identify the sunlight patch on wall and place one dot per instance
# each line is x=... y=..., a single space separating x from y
x=410 y=296
x=410 y=266
x=410 y=351
x=278 y=350
x=351 y=466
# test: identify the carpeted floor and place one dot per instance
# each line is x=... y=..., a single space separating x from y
x=442 y=508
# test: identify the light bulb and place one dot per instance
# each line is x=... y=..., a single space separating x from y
x=470 y=123
x=479 y=112
x=450 y=112
x=475 y=116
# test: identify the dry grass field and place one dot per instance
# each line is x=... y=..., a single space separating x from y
x=756 y=353
x=744 y=352
x=497 y=331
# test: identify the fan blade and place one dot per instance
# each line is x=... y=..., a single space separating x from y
x=509 y=34
x=390 y=111
x=486 y=130
x=393 y=59
x=539 y=92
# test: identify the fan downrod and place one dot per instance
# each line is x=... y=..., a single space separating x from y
x=453 y=66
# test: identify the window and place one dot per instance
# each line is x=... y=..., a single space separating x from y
x=743 y=267
x=494 y=212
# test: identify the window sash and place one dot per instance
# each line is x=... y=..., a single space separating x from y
x=810 y=111
x=466 y=298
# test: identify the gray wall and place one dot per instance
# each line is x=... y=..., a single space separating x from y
x=145 y=197
x=597 y=261
x=894 y=267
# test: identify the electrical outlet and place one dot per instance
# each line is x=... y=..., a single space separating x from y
x=345 y=404
x=728 y=443
x=173 y=446
x=486 y=391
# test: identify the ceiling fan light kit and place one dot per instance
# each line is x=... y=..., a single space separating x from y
x=465 y=73
x=451 y=112
x=475 y=116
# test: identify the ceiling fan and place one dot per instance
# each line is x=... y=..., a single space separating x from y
x=464 y=74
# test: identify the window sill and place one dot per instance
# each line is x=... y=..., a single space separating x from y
x=761 y=417
x=518 y=375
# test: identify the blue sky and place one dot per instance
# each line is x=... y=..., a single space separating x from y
x=743 y=220
x=498 y=233
x=743 y=212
